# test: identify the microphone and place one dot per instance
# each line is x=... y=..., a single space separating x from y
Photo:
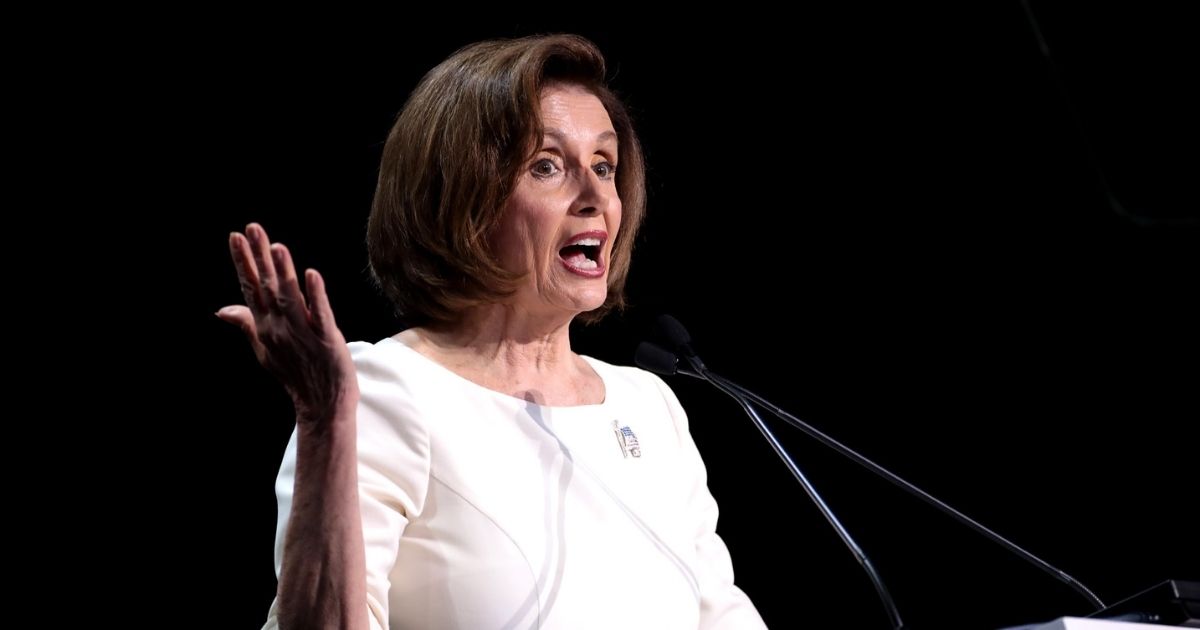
x=653 y=358
x=656 y=359
x=677 y=335
x=680 y=340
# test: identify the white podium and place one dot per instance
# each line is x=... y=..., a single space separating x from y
x=1170 y=603
x=1079 y=623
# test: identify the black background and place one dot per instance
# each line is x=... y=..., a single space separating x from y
x=890 y=222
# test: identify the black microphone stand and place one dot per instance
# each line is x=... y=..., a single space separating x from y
x=1059 y=574
x=884 y=595
x=1172 y=601
x=658 y=360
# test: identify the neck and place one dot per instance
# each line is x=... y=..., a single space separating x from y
x=512 y=353
x=499 y=340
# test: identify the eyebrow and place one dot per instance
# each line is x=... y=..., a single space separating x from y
x=562 y=137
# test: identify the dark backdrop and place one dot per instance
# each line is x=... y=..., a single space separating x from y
x=892 y=223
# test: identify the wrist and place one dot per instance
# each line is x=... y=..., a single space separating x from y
x=335 y=413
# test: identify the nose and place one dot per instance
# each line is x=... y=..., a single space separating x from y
x=595 y=196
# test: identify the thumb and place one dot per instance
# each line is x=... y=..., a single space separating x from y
x=241 y=317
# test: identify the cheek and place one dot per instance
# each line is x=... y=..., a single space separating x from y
x=527 y=239
x=510 y=245
x=614 y=222
x=542 y=228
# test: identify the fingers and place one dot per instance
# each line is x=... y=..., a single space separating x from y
x=289 y=299
x=247 y=270
x=322 y=313
x=268 y=281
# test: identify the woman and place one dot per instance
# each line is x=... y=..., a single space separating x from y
x=472 y=471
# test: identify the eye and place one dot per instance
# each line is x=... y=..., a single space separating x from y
x=606 y=170
x=544 y=167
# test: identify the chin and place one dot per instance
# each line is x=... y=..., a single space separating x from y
x=584 y=304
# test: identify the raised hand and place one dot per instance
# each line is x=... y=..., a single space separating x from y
x=296 y=339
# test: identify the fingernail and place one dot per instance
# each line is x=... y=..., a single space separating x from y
x=227 y=310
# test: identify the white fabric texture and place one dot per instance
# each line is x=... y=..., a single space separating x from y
x=482 y=511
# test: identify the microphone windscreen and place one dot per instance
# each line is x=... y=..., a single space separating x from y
x=675 y=332
x=653 y=358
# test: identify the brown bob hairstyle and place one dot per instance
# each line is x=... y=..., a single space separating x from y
x=453 y=158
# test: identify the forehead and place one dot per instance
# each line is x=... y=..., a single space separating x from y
x=572 y=110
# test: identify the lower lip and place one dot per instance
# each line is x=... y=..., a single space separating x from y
x=598 y=272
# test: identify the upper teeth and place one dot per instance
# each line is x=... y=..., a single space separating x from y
x=591 y=241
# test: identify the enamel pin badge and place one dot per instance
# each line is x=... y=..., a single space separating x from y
x=627 y=440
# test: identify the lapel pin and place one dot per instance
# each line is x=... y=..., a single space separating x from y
x=627 y=440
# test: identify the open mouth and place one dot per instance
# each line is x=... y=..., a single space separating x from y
x=584 y=254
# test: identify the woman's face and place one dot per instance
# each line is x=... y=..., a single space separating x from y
x=558 y=226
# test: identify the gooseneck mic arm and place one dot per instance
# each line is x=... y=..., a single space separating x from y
x=920 y=494
x=679 y=337
x=656 y=359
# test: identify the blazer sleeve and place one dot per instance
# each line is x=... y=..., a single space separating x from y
x=723 y=606
x=393 y=477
